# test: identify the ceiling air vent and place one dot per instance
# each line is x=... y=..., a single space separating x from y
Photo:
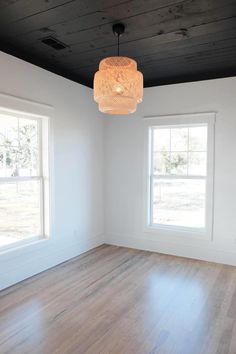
x=54 y=43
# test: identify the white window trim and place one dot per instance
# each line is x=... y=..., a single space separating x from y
x=206 y=118
x=43 y=113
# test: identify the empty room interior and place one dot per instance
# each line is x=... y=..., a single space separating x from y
x=118 y=177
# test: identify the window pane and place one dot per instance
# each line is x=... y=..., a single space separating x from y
x=197 y=163
x=179 y=202
x=28 y=133
x=161 y=163
x=174 y=163
x=179 y=163
x=8 y=157
x=28 y=164
x=19 y=156
x=19 y=211
x=15 y=161
x=8 y=131
x=179 y=139
x=161 y=139
x=198 y=138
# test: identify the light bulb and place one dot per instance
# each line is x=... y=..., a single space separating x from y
x=119 y=89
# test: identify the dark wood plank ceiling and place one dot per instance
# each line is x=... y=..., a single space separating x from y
x=172 y=40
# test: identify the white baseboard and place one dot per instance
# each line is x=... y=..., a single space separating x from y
x=11 y=273
x=204 y=252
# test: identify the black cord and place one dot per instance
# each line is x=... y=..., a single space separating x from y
x=118 y=45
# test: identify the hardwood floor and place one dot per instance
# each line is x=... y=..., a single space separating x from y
x=114 y=300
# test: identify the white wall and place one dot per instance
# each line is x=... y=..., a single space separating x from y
x=79 y=166
x=124 y=170
x=78 y=135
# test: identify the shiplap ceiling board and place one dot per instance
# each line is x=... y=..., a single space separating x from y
x=172 y=40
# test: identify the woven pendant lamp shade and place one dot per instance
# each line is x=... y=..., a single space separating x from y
x=118 y=86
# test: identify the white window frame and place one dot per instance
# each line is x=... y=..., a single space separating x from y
x=26 y=109
x=173 y=121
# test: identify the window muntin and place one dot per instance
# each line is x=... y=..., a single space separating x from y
x=178 y=176
x=21 y=180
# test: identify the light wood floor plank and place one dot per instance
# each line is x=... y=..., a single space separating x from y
x=114 y=300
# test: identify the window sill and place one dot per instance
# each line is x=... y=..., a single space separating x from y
x=22 y=244
x=175 y=231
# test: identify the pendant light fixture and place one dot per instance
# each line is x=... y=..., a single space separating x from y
x=118 y=86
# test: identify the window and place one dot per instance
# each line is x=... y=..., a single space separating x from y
x=180 y=175
x=22 y=198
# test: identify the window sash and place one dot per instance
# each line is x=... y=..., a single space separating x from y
x=151 y=202
x=5 y=180
x=19 y=179
x=178 y=176
x=170 y=151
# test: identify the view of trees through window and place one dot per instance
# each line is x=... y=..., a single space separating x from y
x=20 y=182
x=178 y=176
x=18 y=147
